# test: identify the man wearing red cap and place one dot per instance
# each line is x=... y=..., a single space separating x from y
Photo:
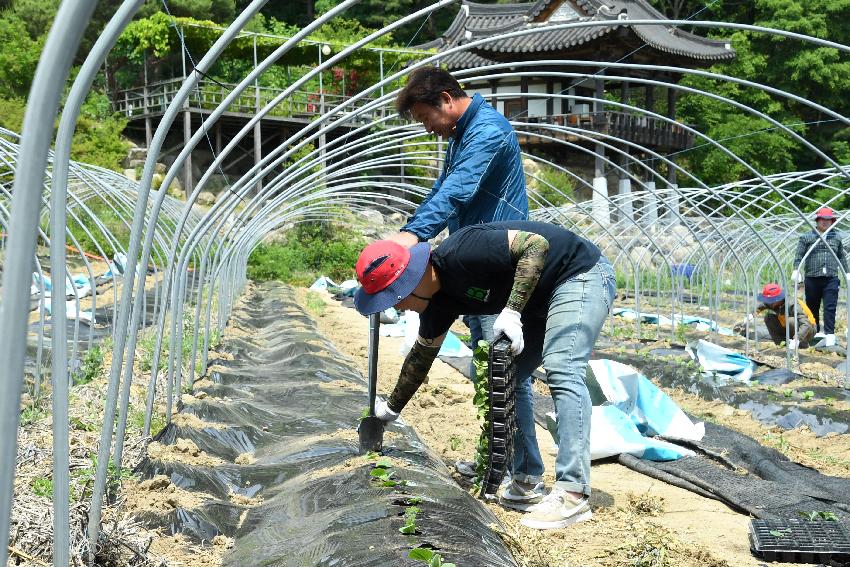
x=823 y=251
x=552 y=291
x=800 y=323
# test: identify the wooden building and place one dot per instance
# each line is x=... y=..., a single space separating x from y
x=549 y=75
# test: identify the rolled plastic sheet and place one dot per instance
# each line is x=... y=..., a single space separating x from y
x=278 y=427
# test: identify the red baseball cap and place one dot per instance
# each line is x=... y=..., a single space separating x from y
x=825 y=213
x=388 y=272
x=771 y=293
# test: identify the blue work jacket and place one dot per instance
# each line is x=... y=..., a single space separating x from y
x=483 y=179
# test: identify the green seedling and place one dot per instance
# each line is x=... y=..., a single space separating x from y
x=780 y=533
x=383 y=473
x=788 y=393
x=409 y=527
x=364 y=414
x=819 y=515
x=454 y=442
x=80 y=425
x=372 y=455
x=481 y=400
x=42 y=487
x=808 y=395
x=429 y=556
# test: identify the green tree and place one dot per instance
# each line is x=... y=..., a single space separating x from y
x=18 y=57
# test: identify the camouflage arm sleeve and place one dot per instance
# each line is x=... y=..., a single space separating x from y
x=529 y=251
x=414 y=371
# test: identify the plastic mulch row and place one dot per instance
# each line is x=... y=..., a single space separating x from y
x=800 y=541
x=502 y=387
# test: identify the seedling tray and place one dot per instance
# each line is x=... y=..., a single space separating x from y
x=502 y=422
x=800 y=541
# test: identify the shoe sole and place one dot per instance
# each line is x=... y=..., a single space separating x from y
x=520 y=505
x=541 y=525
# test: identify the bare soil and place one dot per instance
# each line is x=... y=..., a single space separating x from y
x=637 y=520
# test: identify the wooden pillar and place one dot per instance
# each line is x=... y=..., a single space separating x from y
x=523 y=89
x=600 y=201
x=672 y=182
x=148 y=125
x=258 y=130
x=187 y=137
x=187 y=165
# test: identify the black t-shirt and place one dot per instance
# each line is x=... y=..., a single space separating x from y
x=476 y=272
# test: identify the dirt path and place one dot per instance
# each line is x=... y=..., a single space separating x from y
x=637 y=520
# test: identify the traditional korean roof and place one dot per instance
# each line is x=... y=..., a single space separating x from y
x=477 y=21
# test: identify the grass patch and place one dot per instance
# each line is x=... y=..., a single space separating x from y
x=309 y=251
x=315 y=303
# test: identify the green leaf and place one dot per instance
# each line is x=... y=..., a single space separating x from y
x=777 y=533
x=420 y=553
x=408 y=529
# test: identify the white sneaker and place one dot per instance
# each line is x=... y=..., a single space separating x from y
x=521 y=495
x=828 y=340
x=558 y=509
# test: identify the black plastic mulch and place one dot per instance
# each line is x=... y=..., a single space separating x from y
x=318 y=508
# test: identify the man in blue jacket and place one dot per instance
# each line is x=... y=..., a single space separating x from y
x=482 y=181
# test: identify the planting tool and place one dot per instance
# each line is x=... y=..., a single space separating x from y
x=371 y=429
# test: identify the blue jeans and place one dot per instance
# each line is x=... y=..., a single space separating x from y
x=577 y=311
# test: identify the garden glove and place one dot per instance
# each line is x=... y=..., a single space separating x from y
x=750 y=318
x=383 y=411
x=509 y=323
x=795 y=276
x=792 y=344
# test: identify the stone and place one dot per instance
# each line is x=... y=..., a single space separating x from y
x=371 y=216
x=205 y=198
x=176 y=189
x=130 y=174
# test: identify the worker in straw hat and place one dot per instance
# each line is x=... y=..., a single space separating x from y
x=551 y=290
x=800 y=322
x=825 y=262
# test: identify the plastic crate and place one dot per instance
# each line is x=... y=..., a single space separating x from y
x=800 y=541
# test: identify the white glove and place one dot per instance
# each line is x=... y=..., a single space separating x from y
x=509 y=322
x=750 y=318
x=792 y=344
x=383 y=411
x=795 y=276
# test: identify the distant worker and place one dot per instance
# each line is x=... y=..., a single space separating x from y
x=822 y=271
x=800 y=322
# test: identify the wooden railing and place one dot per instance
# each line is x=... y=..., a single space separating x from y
x=154 y=98
x=643 y=130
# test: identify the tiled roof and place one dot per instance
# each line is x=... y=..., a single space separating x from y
x=479 y=21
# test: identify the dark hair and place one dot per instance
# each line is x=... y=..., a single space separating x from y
x=425 y=85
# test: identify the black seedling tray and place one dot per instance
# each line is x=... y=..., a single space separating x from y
x=502 y=422
x=800 y=541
